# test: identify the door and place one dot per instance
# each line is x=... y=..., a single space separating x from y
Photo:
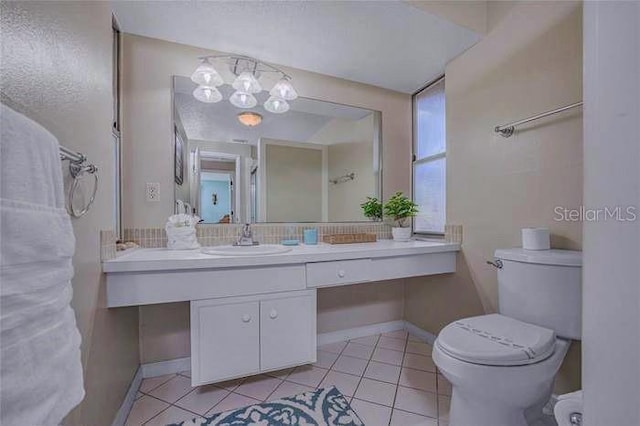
x=225 y=340
x=287 y=331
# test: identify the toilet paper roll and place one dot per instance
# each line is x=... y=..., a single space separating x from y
x=535 y=239
x=567 y=405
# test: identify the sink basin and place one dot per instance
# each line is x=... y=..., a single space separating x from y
x=259 y=250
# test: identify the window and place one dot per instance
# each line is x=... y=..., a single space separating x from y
x=429 y=158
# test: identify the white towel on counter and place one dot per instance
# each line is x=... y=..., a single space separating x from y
x=41 y=370
x=181 y=232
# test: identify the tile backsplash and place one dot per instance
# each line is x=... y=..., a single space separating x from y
x=453 y=233
x=266 y=233
x=107 y=244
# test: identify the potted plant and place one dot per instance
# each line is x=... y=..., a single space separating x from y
x=400 y=208
x=372 y=208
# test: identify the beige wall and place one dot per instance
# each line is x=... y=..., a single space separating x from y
x=340 y=130
x=293 y=183
x=56 y=62
x=345 y=198
x=530 y=62
x=350 y=306
x=164 y=332
x=149 y=64
x=350 y=149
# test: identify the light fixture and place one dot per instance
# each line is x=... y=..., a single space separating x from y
x=247 y=83
x=247 y=71
x=206 y=75
x=243 y=100
x=276 y=105
x=207 y=94
x=249 y=118
x=284 y=90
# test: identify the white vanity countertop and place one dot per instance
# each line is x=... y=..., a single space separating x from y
x=158 y=259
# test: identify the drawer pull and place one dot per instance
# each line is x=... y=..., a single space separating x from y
x=341 y=273
x=273 y=314
x=246 y=318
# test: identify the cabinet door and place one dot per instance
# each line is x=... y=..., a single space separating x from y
x=224 y=340
x=288 y=331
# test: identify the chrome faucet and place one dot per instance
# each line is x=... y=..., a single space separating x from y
x=246 y=237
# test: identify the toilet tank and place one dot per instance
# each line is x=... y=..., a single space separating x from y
x=542 y=287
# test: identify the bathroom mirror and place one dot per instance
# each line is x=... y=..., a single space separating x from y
x=316 y=162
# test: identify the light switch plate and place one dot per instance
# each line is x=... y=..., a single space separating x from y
x=153 y=191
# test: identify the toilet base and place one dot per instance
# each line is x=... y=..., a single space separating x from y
x=484 y=395
x=482 y=412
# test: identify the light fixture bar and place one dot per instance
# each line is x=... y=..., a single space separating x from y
x=268 y=67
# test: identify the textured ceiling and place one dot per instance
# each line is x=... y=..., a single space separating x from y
x=388 y=44
x=218 y=122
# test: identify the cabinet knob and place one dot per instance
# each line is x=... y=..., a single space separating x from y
x=273 y=314
x=341 y=273
x=246 y=318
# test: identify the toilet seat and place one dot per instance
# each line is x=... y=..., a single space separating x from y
x=496 y=340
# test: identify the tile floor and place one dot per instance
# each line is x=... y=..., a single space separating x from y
x=390 y=379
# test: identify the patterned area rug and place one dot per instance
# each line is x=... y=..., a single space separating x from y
x=324 y=407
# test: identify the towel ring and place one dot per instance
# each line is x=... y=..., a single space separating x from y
x=77 y=170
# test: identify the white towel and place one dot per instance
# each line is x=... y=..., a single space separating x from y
x=41 y=369
x=181 y=232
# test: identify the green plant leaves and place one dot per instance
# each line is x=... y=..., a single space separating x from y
x=372 y=208
x=400 y=207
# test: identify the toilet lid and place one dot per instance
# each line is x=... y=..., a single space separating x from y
x=496 y=340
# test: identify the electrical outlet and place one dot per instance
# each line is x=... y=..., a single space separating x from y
x=153 y=191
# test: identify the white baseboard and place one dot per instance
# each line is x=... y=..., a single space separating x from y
x=160 y=368
x=421 y=334
x=129 y=399
x=353 y=333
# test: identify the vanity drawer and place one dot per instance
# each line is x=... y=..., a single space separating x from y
x=127 y=289
x=325 y=274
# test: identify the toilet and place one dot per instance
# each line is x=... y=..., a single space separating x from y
x=502 y=366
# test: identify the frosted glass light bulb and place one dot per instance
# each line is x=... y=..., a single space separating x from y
x=284 y=89
x=206 y=75
x=276 y=105
x=243 y=100
x=207 y=94
x=246 y=82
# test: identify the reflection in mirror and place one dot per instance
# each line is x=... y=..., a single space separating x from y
x=315 y=163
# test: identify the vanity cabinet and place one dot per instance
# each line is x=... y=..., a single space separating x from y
x=241 y=336
x=254 y=314
x=225 y=340
x=288 y=331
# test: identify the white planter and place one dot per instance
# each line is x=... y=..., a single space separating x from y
x=401 y=234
